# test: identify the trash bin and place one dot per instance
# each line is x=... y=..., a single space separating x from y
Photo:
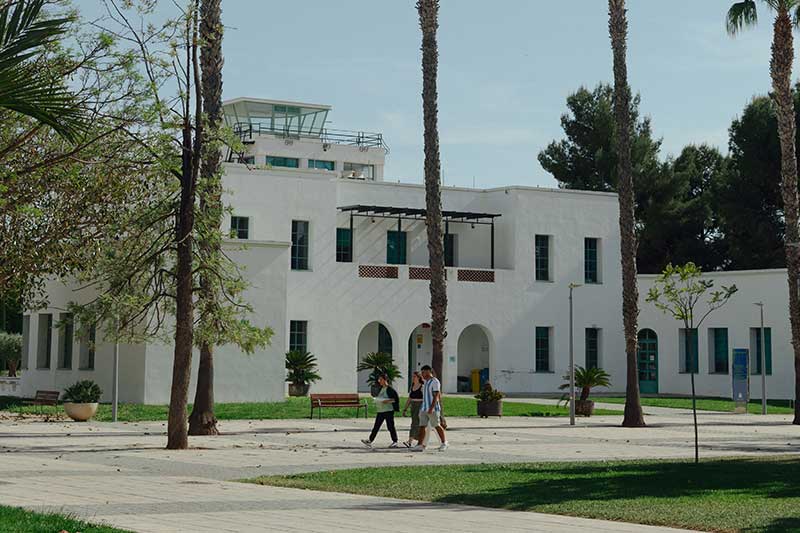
x=476 y=380
x=484 y=376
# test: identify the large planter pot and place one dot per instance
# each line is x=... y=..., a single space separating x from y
x=493 y=408
x=584 y=407
x=80 y=412
x=299 y=389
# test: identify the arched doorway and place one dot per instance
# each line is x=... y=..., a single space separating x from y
x=473 y=358
x=374 y=337
x=647 y=361
x=420 y=349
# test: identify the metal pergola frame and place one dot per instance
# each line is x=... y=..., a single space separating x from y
x=418 y=214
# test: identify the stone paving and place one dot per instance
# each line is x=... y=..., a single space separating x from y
x=120 y=473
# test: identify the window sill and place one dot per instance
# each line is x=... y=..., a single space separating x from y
x=592 y=282
x=86 y=369
x=544 y=372
x=544 y=281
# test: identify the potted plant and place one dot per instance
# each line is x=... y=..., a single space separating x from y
x=80 y=400
x=301 y=372
x=379 y=363
x=490 y=401
x=586 y=379
x=10 y=352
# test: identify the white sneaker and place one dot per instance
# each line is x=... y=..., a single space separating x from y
x=367 y=443
x=393 y=445
x=418 y=448
x=444 y=446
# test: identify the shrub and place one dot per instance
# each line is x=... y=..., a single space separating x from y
x=586 y=379
x=379 y=363
x=488 y=394
x=86 y=391
x=301 y=368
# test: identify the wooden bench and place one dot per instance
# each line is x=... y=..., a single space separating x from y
x=320 y=401
x=45 y=397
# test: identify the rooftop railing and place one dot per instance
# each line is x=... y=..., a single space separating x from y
x=248 y=130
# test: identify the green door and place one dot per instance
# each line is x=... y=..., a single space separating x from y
x=647 y=358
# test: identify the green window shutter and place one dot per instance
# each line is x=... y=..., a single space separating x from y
x=449 y=250
x=721 y=350
x=768 y=350
x=542 y=257
x=396 y=247
x=344 y=245
x=590 y=270
x=542 y=347
x=592 y=348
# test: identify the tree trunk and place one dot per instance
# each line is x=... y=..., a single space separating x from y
x=691 y=359
x=781 y=72
x=618 y=29
x=202 y=420
x=428 y=21
x=177 y=427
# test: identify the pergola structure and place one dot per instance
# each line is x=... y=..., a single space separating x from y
x=417 y=214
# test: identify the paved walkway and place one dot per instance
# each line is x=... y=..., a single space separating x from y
x=120 y=473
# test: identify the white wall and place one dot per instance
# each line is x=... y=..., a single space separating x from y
x=739 y=316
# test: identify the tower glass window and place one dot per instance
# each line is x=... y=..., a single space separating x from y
x=299 y=245
x=591 y=270
x=286 y=162
x=542 y=257
x=320 y=164
x=344 y=245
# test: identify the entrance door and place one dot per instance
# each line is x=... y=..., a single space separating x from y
x=647 y=359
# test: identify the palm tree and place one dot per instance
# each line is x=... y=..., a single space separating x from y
x=23 y=89
x=618 y=29
x=429 y=22
x=744 y=14
x=202 y=420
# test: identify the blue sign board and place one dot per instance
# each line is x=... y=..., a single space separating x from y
x=740 y=374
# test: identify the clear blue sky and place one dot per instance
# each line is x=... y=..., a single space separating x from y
x=505 y=70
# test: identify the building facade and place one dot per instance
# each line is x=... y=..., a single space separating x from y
x=337 y=257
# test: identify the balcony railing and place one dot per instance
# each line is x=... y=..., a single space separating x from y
x=362 y=139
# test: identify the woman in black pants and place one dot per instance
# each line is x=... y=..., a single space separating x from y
x=387 y=402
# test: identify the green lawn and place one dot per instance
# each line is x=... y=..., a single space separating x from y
x=16 y=520
x=753 y=495
x=774 y=407
x=293 y=408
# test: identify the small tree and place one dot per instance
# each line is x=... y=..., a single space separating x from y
x=10 y=352
x=678 y=291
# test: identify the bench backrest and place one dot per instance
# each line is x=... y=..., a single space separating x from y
x=47 y=396
x=334 y=399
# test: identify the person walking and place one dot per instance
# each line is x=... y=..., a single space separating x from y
x=414 y=402
x=387 y=402
x=431 y=410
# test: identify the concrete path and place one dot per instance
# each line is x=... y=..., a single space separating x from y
x=120 y=473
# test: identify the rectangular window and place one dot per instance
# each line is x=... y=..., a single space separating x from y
x=299 y=245
x=359 y=170
x=286 y=162
x=592 y=348
x=449 y=250
x=240 y=227
x=542 y=257
x=248 y=160
x=344 y=245
x=66 y=335
x=87 y=349
x=44 y=341
x=298 y=336
x=26 y=340
x=542 y=349
x=688 y=360
x=591 y=255
x=755 y=350
x=396 y=247
x=718 y=363
x=319 y=164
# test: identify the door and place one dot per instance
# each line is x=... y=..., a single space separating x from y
x=647 y=359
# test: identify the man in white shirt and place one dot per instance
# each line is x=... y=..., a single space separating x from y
x=431 y=410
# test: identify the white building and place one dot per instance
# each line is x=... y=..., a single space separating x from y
x=338 y=261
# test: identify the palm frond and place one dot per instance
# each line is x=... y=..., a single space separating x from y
x=741 y=15
x=23 y=33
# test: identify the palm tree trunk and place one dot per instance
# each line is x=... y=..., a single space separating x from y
x=429 y=22
x=781 y=72
x=618 y=29
x=202 y=420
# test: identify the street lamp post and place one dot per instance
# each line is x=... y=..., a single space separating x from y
x=571 y=360
x=763 y=360
x=115 y=377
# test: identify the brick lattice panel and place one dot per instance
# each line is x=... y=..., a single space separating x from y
x=477 y=276
x=377 y=271
x=421 y=273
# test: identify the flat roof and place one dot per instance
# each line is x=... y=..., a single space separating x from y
x=414 y=212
